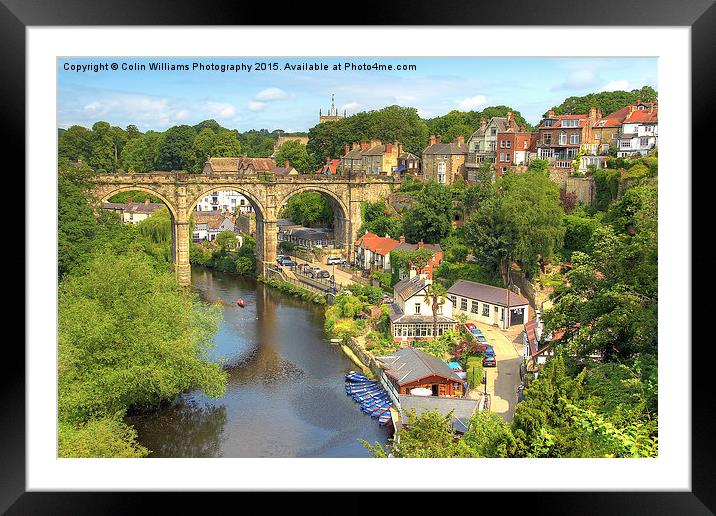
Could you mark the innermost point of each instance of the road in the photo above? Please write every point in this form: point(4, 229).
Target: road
point(502, 381)
point(342, 277)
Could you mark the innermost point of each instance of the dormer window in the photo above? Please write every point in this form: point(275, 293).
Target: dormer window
point(548, 122)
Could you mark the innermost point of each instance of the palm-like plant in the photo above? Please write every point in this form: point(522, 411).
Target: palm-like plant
point(435, 296)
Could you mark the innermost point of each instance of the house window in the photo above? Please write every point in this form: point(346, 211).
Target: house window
point(493, 131)
point(562, 138)
point(463, 304)
point(547, 138)
point(643, 142)
point(473, 307)
point(454, 301)
point(502, 144)
point(486, 310)
point(417, 308)
point(508, 156)
point(597, 136)
point(441, 172)
point(548, 123)
point(570, 123)
point(508, 144)
point(574, 139)
point(502, 156)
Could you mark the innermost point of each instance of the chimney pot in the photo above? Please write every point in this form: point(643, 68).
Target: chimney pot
point(402, 239)
point(433, 139)
point(460, 139)
point(286, 164)
point(550, 113)
point(388, 148)
point(146, 201)
point(347, 149)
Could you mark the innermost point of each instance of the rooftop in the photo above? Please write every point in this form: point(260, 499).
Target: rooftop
point(377, 244)
point(409, 364)
point(486, 293)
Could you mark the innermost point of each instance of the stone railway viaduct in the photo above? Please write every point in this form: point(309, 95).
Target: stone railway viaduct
point(181, 192)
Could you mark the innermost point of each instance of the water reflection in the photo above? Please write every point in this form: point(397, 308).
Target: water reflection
point(285, 395)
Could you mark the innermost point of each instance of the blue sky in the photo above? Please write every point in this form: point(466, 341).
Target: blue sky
point(290, 100)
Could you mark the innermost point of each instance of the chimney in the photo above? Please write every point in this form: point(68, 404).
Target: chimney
point(129, 200)
point(599, 113)
point(421, 244)
point(348, 149)
point(364, 146)
point(388, 148)
point(402, 239)
point(460, 140)
point(522, 128)
point(433, 140)
point(286, 164)
point(593, 113)
point(483, 124)
point(356, 145)
point(413, 273)
point(146, 201)
point(438, 138)
point(373, 143)
point(550, 113)
point(511, 119)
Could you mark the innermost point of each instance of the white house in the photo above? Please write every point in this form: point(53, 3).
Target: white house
point(411, 314)
point(640, 130)
point(209, 224)
point(373, 252)
point(487, 304)
point(133, 212)
point(224, 200)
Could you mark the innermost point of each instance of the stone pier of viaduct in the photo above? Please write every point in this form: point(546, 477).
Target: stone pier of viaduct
point(181, 192)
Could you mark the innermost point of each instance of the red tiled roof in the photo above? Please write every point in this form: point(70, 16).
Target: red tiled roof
point(379, 245)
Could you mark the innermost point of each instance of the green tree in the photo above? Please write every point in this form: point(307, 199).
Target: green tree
point(607, 101)
point(74, 144)
point(176, 149)
point(435, 296)
point(489, 436)
point(429, 435)
point(102, 148)
point(430, 219)
point(140, 153)
point(227, 240)
point(296, 154)
point(309, 209)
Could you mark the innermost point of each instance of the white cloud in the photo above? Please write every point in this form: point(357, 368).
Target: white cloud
point(219, 110)
point(257, 106)
point(182, 114)
point(351, 106)
point(616, 85)
point(270, 94)
point(471, 103)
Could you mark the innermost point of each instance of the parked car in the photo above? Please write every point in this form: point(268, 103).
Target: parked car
point(481, 339)
point(335, 260)
point(280, 258)
point(489, 361)
point(470, 327)
point(320, 273)
point(288, 262)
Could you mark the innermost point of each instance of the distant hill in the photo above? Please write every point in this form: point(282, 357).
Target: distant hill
point(606, 101)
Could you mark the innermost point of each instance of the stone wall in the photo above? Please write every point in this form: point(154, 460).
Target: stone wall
point(582, 186)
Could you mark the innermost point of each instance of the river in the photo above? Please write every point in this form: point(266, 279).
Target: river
point(285, 395)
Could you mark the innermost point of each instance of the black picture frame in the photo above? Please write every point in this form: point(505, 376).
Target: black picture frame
point(700, 15)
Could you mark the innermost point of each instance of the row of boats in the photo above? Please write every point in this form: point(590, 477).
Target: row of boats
point(371, 396)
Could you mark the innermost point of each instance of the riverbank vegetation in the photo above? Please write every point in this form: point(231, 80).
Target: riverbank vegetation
point(129, 338)
point(293, 290)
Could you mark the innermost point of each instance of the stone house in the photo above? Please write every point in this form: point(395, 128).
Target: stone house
point(482, 144)
point(444, 162)
point(380, 158)
point(513, 147)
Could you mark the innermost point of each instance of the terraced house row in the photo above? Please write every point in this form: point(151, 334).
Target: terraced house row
point(561, 139)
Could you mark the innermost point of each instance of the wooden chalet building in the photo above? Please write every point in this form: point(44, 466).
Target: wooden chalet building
point(409, 368)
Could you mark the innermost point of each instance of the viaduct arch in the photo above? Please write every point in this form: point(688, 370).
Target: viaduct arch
point(181, 192)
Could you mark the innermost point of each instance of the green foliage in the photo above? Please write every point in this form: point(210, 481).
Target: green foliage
point(141, 153)
point(176, 149)
point(449, 273)
point(227, 240)
point(133, 196)
point(378, 220)
point(309, 209)
point(428, 436)
point(296, 154)
point(384, 278)
point(606, 187)
point(430, 219)
point(465, 123)
point(474, 371)
point(578, 234)
point(636, 207)
point(439, 347)
point(489, 436)
point(107, 437)
point(390, 124)
point(607, 101)
point(74, 144)
point(293, 290)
